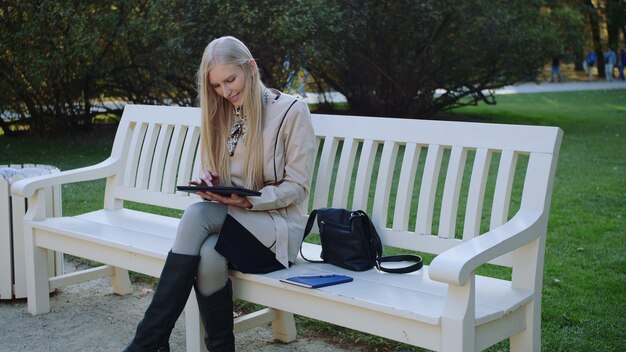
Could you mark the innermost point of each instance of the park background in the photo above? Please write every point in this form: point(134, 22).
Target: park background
point(67, 68)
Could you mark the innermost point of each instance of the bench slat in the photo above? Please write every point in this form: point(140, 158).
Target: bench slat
point(147, 154)
point(428, 190)
point(476, 193)
point(134, 220)
point(451, 192)
point(324, 173)
point(173, 159)
point(384, 182)
point(133, 154)
point(123, 229)
point(405, 187)
point(160, 155)
point(344, 173)
point(523, 138)
point(186, 163)
point(504, 184)
point(364, 174)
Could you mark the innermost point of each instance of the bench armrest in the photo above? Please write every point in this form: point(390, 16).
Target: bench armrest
point(455, 265)
point(27, 187)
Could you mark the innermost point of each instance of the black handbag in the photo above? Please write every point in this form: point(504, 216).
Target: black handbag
point(350, 241)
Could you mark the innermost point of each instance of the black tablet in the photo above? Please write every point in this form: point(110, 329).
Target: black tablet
point(244, 192)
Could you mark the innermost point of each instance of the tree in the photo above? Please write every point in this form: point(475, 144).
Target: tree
point(615, 21)
point(584, 25)
point(63, 62)
point(416, 58)
point(601, 13)
point(92, 53)
point(273, 30)
point(569, 31)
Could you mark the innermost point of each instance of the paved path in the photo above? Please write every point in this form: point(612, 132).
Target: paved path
point(543, 87)
point(560, 87)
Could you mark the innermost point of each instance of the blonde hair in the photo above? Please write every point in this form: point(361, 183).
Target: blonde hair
point(218, 115)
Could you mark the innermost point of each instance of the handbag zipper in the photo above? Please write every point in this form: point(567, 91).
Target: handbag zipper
point(323, 224)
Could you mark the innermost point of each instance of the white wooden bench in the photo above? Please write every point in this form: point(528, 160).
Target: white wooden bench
point(467, 193)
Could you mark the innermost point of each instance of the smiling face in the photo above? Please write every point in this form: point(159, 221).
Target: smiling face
point(228, 81)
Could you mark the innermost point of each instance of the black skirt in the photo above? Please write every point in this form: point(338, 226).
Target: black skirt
point(243, 250)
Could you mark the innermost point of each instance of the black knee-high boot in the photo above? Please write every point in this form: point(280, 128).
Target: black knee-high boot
point(170, 297)
point(216, 311)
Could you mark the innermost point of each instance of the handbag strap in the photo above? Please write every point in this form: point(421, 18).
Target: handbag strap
point(307, 230)
point(400, 258)
point(394, 258)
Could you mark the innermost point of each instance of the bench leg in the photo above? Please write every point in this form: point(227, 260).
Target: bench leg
point(194, 329)
point(530, 338)
point(120, 281)
point(36, 259)
point(37, 287)
point(458, 320)
point(284, 328)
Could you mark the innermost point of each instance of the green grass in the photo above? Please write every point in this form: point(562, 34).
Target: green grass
point(584, 302)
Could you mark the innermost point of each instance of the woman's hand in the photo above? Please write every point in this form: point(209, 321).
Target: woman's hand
point(234, 199)
point(211, 179)
point(207, 178)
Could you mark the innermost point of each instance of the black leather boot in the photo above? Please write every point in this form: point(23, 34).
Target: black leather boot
point(216, 311)
point(170, 297)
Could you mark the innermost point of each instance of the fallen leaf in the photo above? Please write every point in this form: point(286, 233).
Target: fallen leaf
point(145, 291)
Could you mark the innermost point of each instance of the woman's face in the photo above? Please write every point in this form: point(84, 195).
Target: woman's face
point(228, 81)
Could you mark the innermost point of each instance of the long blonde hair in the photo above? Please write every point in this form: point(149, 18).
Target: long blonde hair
point(217, 113)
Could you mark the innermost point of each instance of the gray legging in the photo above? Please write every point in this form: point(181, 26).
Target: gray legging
point(197, 235)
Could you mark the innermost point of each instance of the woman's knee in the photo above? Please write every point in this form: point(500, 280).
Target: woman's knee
point(198, 221)
point(209, 255)
point(204, 212)
point(212, 269)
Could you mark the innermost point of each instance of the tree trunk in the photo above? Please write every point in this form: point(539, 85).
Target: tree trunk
point(615, 21)
point(595, 34)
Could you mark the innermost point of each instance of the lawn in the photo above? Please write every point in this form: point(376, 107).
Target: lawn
point(584, 302)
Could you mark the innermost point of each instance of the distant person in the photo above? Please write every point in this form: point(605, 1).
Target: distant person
point(302, 87)
point(622, 63)
point(609, 64)
point(291, 76)
point(556, 68)
point(589, 63)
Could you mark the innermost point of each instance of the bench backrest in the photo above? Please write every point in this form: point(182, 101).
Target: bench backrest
point(426, 184)
point(157, 150)
point(430, 184)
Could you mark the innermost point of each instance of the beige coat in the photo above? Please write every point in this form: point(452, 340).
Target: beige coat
point(289, 148)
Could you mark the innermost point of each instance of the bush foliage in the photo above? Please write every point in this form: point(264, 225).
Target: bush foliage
point(416, 58)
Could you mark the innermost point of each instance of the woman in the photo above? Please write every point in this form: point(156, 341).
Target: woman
point(251, 137)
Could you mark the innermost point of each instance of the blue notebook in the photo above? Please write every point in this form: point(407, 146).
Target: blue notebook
point(315, 281)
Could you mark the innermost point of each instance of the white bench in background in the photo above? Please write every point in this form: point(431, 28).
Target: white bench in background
point(468, 193)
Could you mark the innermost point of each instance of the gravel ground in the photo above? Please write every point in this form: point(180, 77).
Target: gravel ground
point(89, 317)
